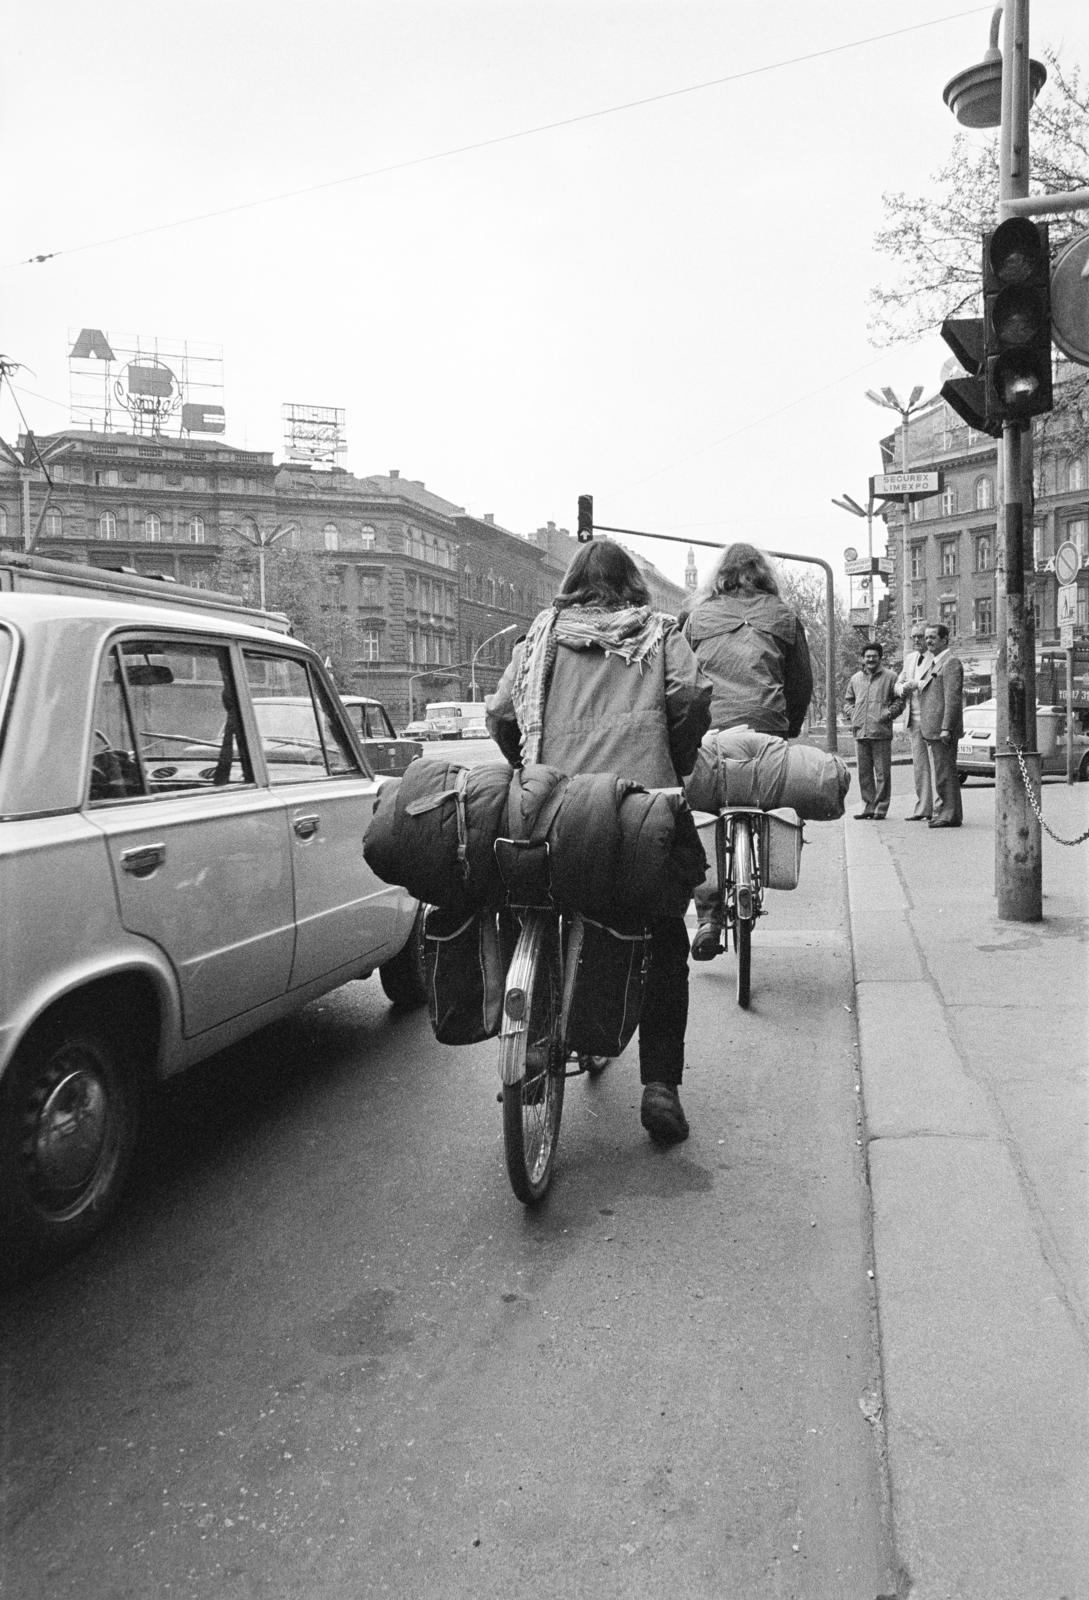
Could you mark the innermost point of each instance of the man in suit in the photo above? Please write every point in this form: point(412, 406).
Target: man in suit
point(917, 665)
point(941, 719)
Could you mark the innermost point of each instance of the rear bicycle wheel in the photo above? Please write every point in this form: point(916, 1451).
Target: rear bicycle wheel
point(532, 1060)
point(744, 897)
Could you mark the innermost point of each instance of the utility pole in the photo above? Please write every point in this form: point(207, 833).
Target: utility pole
point(1018, 853)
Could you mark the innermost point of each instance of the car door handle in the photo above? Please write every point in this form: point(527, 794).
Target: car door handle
point(306, 827)
point(144, 860)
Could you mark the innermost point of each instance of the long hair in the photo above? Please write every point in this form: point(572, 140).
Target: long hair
point(602, 573)
point(740, 569)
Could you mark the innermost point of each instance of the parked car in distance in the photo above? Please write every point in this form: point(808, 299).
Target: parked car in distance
point(387, 754)
point(174, 875)
point(977, 745)
point(425, 731)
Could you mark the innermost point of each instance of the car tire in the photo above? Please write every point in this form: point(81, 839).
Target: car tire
point(69, 1119)
point(404, 977)
point(962, 778)
point(1083, 769)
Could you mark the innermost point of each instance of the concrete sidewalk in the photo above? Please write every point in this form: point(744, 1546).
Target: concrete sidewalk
point(975, 1066)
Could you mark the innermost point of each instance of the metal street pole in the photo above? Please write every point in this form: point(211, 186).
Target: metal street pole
point(887, 398)
point(511, 628)
point(847, 504)
point(1018, 853)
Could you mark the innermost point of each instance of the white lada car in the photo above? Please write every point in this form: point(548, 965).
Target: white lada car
point(172, 878)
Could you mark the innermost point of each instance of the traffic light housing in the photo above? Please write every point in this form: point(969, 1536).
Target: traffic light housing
point(1017, 320)
point(965, 336)
point(586, 518)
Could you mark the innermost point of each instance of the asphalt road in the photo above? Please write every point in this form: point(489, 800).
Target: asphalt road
point(323, 1353)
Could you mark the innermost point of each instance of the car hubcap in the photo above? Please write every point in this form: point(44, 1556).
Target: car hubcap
point(70, 1132)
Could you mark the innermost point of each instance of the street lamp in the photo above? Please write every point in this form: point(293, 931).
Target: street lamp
point(510, 628)
point(263, 542)
point(435, 676)
point(887, 397)
point(847, 504)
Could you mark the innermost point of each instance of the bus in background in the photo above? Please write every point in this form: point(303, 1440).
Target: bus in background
point(457, 719)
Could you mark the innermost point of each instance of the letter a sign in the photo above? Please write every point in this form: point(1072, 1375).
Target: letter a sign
point(92, 345)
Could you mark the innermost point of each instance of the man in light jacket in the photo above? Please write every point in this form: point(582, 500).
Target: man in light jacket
point(941, 717)
point(917, 665)
point(871, 702)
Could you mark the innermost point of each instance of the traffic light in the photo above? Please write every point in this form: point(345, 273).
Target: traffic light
point(1017, 320)
point(965, 336)
point(586, 518)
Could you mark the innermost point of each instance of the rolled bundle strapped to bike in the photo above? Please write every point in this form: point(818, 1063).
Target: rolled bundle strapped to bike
point(740, 767)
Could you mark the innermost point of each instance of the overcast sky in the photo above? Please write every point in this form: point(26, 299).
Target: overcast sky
point(533, 248)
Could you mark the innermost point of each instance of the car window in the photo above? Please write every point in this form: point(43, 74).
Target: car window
point(303, 740)
point(372, 720)
point(159, 721)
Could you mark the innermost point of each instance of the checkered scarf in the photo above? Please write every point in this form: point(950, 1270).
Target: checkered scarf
point(633, 633)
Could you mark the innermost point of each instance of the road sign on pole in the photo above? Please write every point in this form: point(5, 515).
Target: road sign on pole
point(1070, 301)
point(1067, 607)
point(908, 485)
point(1067, 562)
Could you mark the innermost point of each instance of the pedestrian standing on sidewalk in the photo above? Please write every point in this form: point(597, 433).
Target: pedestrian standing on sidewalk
point(752, 646)
point(917, 665)
point(941, 717)
point(603, 683)
point(871, 702)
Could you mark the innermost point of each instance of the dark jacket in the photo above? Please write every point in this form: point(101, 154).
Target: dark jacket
point(754, 650)
point(644, 723)
point(872, 703)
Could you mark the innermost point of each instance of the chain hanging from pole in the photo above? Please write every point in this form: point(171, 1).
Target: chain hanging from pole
point(1034, 802)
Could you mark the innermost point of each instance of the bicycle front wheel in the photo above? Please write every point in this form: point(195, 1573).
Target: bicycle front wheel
point(744, 906)
point(532, 1061)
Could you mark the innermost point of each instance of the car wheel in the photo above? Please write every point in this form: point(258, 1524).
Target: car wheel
point(962, 778)
point(1083, 769)
point(404, 977)
point(68, 1127)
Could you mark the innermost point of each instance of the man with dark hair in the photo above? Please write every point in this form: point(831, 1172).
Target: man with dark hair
point(941, 718)
point(871, 703)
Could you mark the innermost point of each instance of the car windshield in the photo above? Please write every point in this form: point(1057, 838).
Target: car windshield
point(981, 718)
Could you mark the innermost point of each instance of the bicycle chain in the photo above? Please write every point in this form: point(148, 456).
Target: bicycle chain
point(1034, 802)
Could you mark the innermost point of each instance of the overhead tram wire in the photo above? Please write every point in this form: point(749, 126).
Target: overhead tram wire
point(497, 139)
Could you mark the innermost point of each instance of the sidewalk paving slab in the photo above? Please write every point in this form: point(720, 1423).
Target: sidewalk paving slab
point(974, 1059)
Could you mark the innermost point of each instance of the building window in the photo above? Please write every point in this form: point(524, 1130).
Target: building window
point(984, 615)
point(1075, 473)
point(53, 527)
point(369, 645)
point(949, 501)
point(330, 536)
point(367, 536)
point(918, 611)
point(947, 613)
point(1038, 557)
point(984, 494)
point(983, 552)
point(1078, 531)
point(107, 477)
point(153, 528)
point(370, 591)
point(3, 523)
point(948, 562)
point(196, 530)
point(107, 526)
point(915, 560)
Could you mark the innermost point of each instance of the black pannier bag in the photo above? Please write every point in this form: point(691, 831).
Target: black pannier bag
point(606, 974)
point(466, 955)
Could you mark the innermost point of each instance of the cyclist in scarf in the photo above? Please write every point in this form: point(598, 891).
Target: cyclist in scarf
point(602, 683)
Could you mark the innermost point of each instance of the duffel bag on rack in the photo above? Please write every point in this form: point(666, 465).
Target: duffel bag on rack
point(433, 831)
point(465, 959)
point(606, 974)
